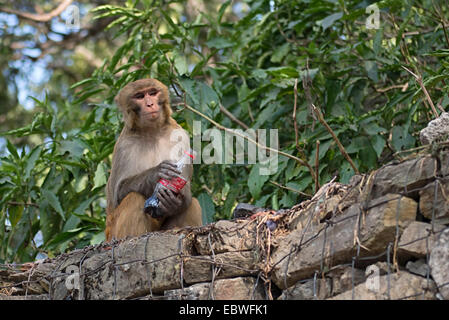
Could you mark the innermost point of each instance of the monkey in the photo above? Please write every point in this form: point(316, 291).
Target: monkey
point(145, 152)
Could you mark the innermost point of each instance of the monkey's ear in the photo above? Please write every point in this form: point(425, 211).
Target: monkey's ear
point(117, 100)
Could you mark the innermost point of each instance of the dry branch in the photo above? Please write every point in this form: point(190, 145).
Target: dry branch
point(39, 17)
point(334, 136)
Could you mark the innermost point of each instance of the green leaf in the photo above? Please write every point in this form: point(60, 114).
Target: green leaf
point(377, 42)
point(100, 178)
point(256, 181)
point(74, 147)
point(53, 201)
point(84, 205)
point(302, 185)
point(280, 53)
point(262, 201)
point(31, 161)
point(330, 20)
point(97, 238)
point(82, 82)
point(71, 223)
point(222, 10)
point(275, 202)
point(371, 69)
point(84, 217)
point(219, 43)
point(15, 214)
point(378, 144)
point(19, 233)
point(283, 72)
point(230, 201)
point(2, 223)
point(357, 144)
point(63, 237)
point(288, 200)
point(346, 172)
point(401, 139)
point(207, 207)
point(87, 93)
point(181, 64)
point(203, 97)
point(175, 28)
point(12, 149)
point(372, 128)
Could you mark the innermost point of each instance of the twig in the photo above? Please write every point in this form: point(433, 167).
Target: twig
point(219, 126)
point(440, 106)
point(410, 150)
point(39, 17)
point(438, 13)
point(403, 87)
point(317, 162)
point(29, 204)
point(295, 96)
point(340, 146)
point(295, 124)
point(290, 189)
point(423, 88)
point(232, 117)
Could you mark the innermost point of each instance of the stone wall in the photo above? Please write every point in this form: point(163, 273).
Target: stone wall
point(383, 236)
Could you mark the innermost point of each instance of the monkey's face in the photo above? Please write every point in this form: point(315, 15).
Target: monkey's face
point(144, 103)
point(147, 104)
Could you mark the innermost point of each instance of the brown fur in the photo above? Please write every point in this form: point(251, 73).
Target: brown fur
point(142, 145)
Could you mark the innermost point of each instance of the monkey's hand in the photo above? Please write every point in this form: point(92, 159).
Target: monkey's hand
point(167, 170)
point(164, 170)
point(170, 203)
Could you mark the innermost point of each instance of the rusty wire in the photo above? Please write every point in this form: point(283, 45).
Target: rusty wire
point(263, 244)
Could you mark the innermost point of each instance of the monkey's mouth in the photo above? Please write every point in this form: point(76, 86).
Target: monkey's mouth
point(152, 115)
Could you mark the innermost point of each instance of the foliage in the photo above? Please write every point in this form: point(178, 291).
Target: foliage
point(247, 66)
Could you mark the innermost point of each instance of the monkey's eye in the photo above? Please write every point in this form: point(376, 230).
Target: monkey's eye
point(139, 96)
point(153, 92)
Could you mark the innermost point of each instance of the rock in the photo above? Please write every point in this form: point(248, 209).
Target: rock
point(199, 291)
point(428, 203)
point(242, 288)
point(403, 285)
point(336, 243)
point(381, 268)
point(439, 263)
point(416, 240)
point(344, 277)
point(243, 210)
point(132, 268)
point(418, 267)
point(308, 290)
point(226, 236)
point(65, 281)
point(437, 130)
point(405, 178)
point(227, 265)
point(444, 161)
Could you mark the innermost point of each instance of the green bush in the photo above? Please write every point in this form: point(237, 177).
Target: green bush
point(248, 66)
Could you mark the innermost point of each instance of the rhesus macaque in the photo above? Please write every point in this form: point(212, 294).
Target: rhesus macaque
point(146, 151)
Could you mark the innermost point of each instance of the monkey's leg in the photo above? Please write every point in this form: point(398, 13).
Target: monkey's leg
point(191, 218)
point(128, 219)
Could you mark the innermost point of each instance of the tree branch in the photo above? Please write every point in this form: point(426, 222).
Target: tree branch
point(39, 17)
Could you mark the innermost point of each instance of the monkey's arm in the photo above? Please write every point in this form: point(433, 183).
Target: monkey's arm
point(145, 182)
